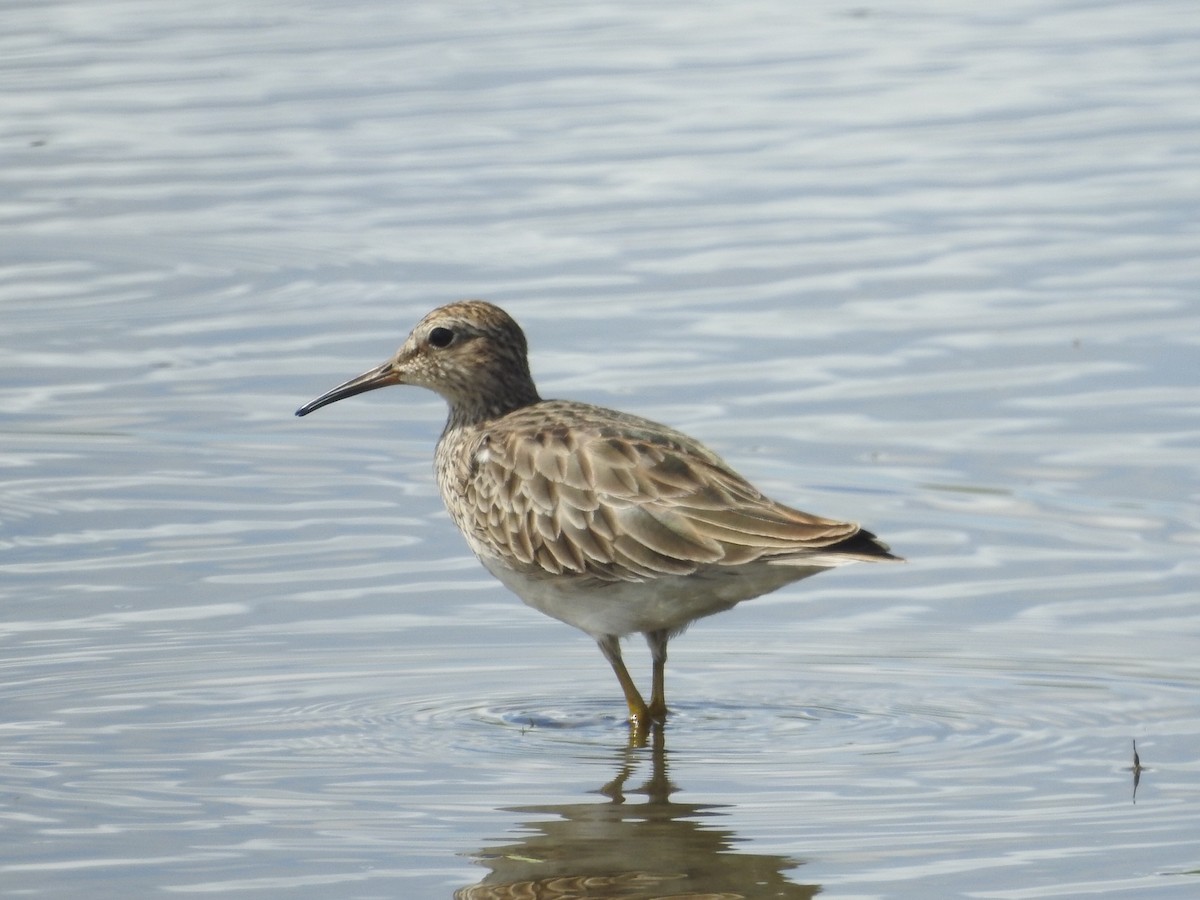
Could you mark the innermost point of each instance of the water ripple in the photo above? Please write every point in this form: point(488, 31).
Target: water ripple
point(933, 270)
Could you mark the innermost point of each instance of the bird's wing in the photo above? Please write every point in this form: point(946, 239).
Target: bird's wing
point(631, 503)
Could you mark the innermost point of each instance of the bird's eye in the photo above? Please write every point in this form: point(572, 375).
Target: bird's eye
point(441, 337)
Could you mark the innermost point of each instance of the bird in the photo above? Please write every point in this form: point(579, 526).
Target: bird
point(604, 520)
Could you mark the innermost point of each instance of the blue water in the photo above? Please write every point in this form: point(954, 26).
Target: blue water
point(928, 268)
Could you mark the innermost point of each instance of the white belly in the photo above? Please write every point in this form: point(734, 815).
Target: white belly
point(668, 603)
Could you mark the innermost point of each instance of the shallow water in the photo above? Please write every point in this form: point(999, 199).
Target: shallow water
point(932, 270)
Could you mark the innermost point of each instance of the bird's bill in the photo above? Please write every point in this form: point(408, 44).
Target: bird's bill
point(380, 376)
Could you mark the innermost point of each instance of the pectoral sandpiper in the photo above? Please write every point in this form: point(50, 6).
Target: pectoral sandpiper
point(606, 521)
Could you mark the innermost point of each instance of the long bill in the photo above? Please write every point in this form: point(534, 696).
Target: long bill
point(380, 376)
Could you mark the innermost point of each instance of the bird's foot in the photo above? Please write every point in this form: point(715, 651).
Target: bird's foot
point(644, 721)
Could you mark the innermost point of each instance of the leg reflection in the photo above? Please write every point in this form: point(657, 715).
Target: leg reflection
point(636, 843)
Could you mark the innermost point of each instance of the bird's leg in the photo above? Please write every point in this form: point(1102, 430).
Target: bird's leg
point(658, 692)
point(639, 712)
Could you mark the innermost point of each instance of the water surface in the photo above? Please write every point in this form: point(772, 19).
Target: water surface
point(926, 268)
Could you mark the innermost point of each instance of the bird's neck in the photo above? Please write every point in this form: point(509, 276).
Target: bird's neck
point(480, 408)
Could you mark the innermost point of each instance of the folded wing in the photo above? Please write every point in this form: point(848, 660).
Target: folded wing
point(635, 502)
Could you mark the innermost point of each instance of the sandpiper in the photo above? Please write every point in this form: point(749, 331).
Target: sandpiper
point(604, 520)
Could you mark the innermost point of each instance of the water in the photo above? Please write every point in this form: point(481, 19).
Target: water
point(930, 268)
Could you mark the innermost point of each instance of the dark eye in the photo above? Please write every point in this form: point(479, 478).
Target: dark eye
point(441, 337)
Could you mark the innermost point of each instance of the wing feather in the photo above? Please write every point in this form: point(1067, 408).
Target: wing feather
point(616, 498)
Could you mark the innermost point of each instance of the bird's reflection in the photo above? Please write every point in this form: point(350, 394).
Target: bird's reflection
point(627, 849)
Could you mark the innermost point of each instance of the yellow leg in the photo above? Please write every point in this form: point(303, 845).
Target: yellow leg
point(658, 693)
point(639, 712)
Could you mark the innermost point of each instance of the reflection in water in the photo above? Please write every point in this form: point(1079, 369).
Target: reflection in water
point(626, 851)
point(1136, 768)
